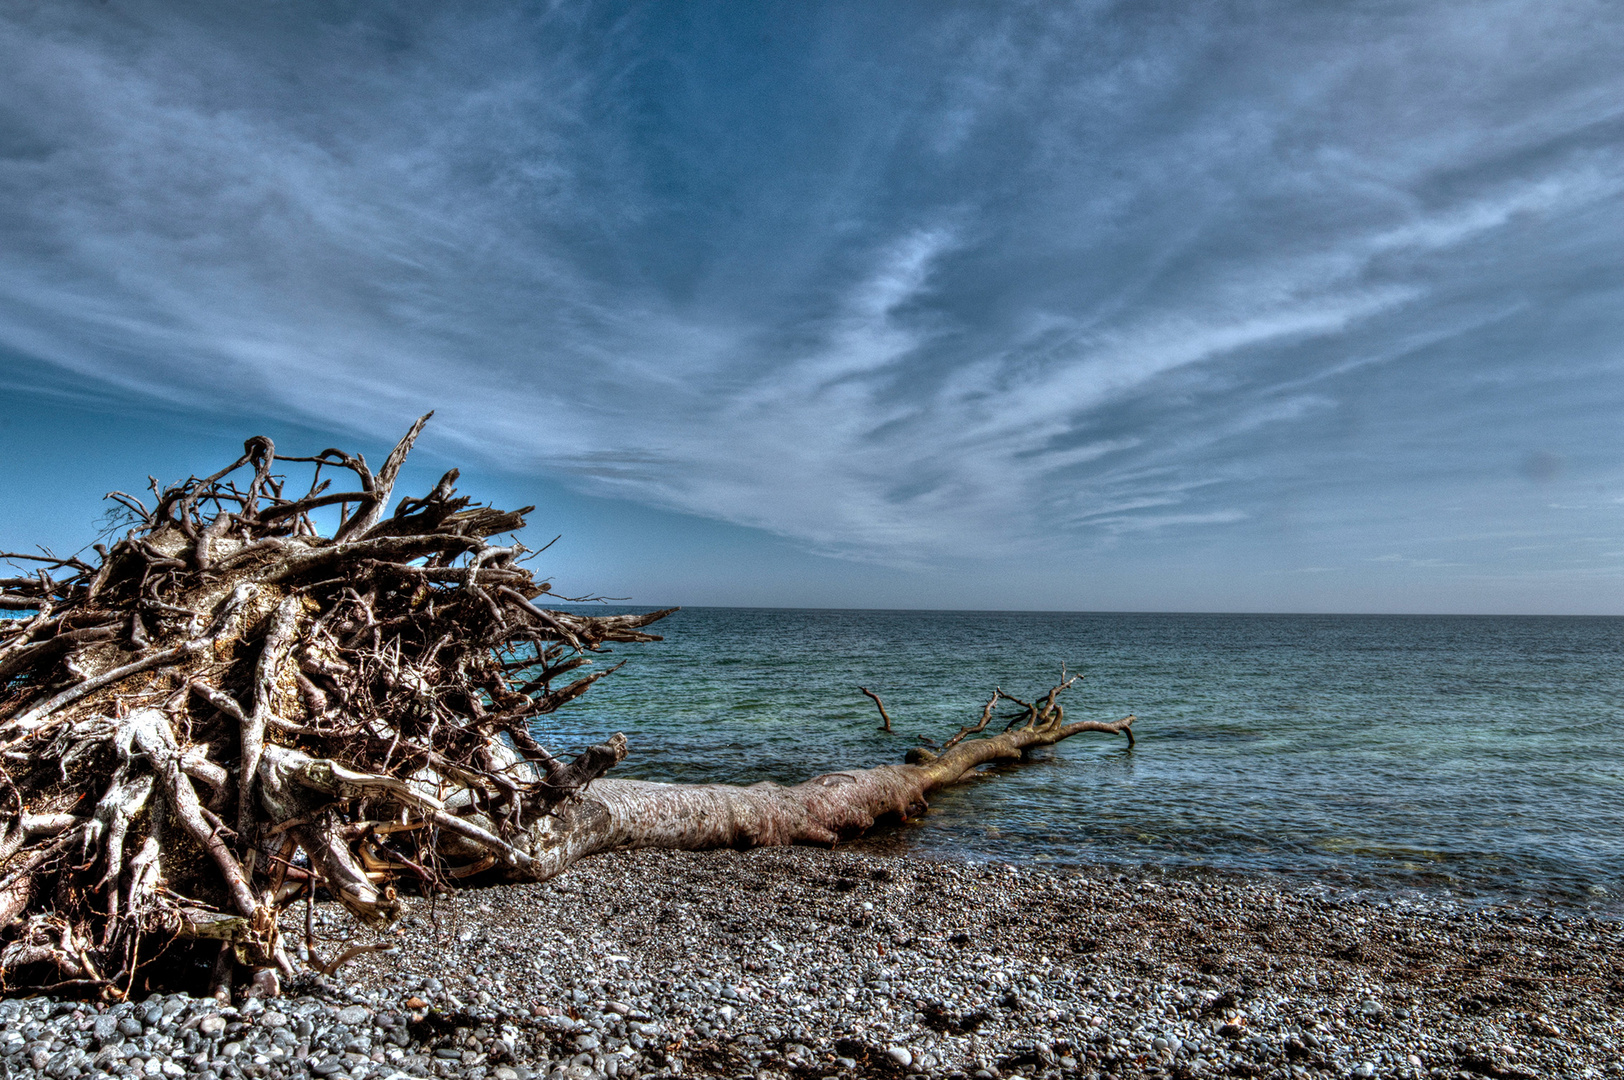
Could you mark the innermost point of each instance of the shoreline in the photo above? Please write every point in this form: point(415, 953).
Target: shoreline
point(1337, 884)
point(780, 962)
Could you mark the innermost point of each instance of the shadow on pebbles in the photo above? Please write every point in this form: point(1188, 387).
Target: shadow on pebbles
point(808, 963)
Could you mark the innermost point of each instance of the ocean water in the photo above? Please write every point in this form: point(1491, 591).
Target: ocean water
point(1482, 757)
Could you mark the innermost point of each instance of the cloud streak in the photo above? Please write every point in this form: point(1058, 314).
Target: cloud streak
point(898, 285)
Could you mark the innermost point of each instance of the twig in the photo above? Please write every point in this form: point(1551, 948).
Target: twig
point(886, 727)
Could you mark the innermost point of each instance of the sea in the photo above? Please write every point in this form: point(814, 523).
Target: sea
point(1480, 758)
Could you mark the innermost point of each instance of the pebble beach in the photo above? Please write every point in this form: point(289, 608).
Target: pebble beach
point(795, 962)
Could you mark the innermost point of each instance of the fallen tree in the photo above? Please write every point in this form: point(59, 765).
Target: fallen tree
point(226, 712)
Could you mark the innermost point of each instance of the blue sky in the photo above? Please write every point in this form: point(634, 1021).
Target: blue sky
point(1228, 306)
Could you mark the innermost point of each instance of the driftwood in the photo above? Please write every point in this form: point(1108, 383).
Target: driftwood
point(885, 717)
point(227, 712)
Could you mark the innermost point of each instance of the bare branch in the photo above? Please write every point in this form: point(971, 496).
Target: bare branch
point(885, 716)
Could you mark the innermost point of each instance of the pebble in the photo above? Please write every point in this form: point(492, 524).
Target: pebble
point(662, 964)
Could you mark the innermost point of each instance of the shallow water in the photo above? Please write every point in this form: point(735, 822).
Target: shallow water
point(1482, 756)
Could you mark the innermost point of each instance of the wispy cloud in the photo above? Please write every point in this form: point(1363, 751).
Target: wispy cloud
point(897, 284)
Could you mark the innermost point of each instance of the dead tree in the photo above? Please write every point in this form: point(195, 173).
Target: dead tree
point(227, 712)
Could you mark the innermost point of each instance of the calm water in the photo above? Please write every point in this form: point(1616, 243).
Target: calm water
point(1482, 756)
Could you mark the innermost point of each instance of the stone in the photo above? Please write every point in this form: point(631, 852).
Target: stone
point(502, 1072)
point(212, 1025)
point(901, 1055)
point(354, 1015)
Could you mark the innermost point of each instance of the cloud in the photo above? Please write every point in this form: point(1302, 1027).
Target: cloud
point(900, 286)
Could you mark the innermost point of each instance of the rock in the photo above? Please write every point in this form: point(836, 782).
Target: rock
point(266, 983)
point(901, 1055)
point(354, 1015)
point(212, 1025)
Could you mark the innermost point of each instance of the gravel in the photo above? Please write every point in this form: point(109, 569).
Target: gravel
point(807, 963)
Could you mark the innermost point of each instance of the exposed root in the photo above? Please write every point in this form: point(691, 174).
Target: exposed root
point(228, 711)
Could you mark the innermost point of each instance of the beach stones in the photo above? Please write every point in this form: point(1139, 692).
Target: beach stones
point(354, 1015)
point(1124, 1004)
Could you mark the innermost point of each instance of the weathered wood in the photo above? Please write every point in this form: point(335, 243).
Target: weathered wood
point(361, 706)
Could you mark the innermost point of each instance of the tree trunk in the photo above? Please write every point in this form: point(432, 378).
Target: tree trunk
point(228, 712)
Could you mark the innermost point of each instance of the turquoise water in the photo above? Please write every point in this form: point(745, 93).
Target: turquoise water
point(1479, 756)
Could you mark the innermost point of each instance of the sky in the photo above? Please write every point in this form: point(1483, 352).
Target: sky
point(1082, 306)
